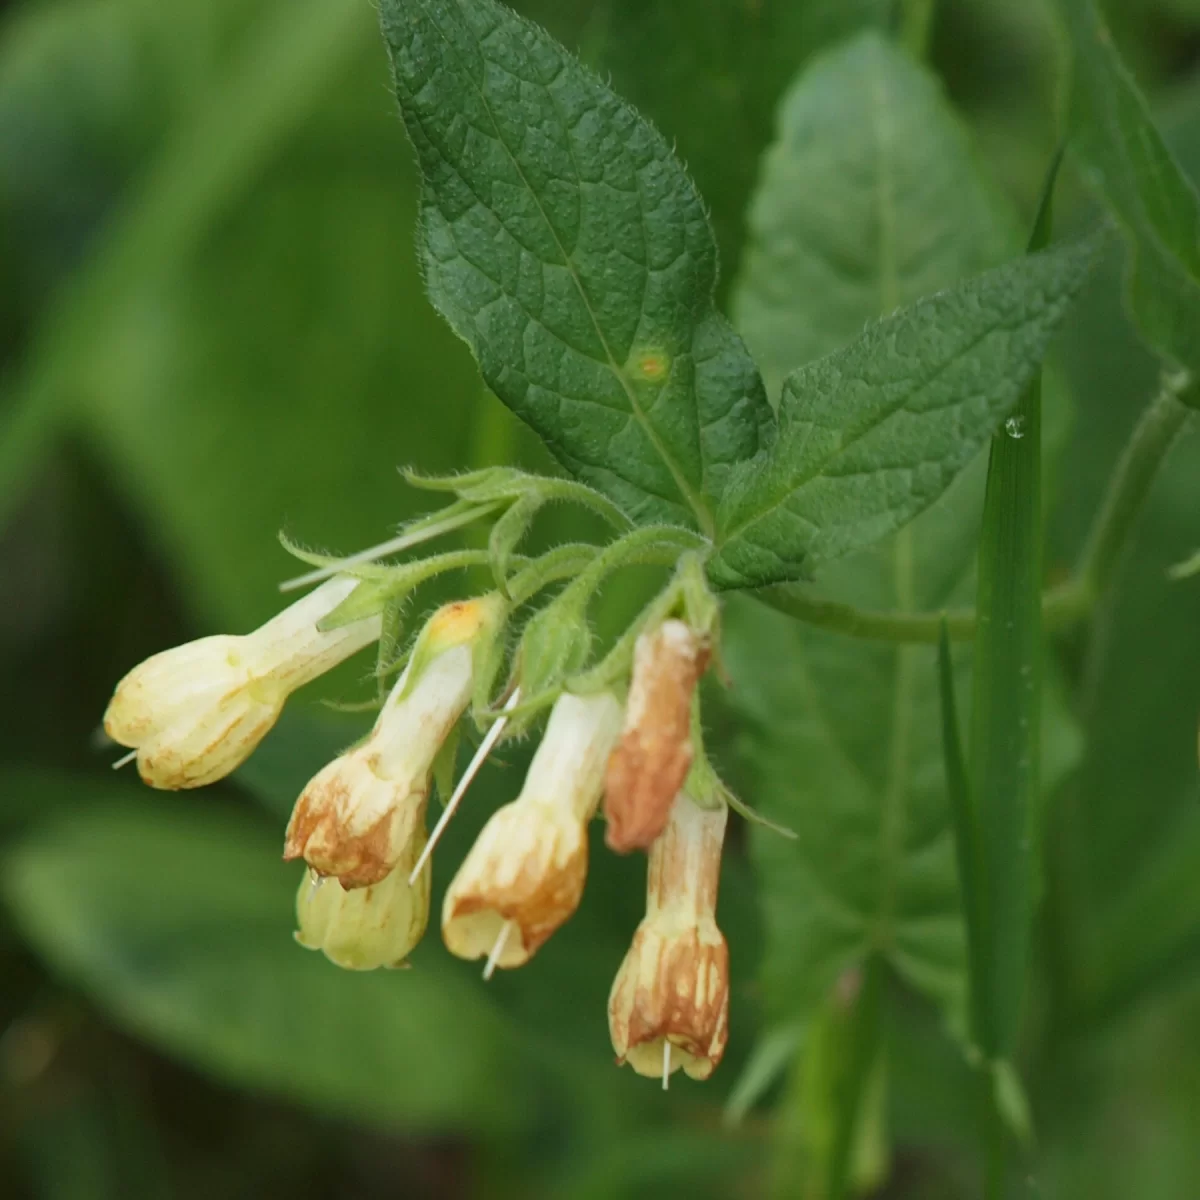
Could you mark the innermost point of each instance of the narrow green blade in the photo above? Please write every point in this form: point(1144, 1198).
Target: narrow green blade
point(1006, 708)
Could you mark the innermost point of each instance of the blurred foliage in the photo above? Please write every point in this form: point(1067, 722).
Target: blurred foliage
point(212, 325)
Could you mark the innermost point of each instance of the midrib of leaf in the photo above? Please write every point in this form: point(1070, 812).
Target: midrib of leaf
point(895, 796)
point(703, 517)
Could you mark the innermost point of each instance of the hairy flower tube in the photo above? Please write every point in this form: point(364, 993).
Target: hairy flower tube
point(669, 1005)
point(196, 712)
point(652, 759)
point(364, 928)
point(524, 876)
point(359, 816)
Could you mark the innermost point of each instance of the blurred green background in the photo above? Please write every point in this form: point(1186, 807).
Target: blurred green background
point(212, 326)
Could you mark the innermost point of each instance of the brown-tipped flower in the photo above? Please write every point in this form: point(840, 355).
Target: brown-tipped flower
point(524, 876)
point(196, 712)
point(369, 927)
point(669, 1005)
point(358, 815)
point(651, 761)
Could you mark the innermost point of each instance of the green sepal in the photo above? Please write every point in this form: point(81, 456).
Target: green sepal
point(618, 662)
point(444, 765)
point(497, 485)
point(385, 585)
point(508, 533)
point(477, 487)
point(710, 791)
point(388, 654)
point(555, 644)
point(369, 599)
point(487, 655)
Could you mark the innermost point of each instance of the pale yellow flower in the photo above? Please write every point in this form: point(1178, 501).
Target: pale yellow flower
point(196, 712)
point(360, 813)
point(367, 927)
point(524, 876)
point(669, 1005)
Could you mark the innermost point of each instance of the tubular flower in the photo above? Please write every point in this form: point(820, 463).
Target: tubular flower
point(524, 876)
point(369, 927)
point(358, 817)
point(196, 712)
point(650, 763)
point(669, 1005)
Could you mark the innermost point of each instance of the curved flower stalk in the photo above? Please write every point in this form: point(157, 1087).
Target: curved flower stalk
point(364, 928)
point(669, 1005)
point(653, 758)
point(196, 712)
point(525, 874)
point(359, 816)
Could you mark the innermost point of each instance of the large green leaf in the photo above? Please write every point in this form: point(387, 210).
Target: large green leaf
point(841, 739)
point(872, 434)
point(1139, 178)
point(865, 139)
point(564, 241)
point(746, 54)
point(179, 922)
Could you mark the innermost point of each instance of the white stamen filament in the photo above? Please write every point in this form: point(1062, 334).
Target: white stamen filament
point(125, 760)
point(414, 537)
point(498, 949)
point(666, 1063)
point(314, 882)
point(485, 748)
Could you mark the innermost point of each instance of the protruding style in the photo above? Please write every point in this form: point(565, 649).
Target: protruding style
point(651, 762)
point(669, 1005)
point(525, 874)
point(196, 712)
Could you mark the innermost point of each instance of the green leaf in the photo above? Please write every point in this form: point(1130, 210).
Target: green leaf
point(179, 922)
point(870, 176)
point(747, 54)
point(872, 434)
point(565, 243)
point(1130, 165)
point(841, 738)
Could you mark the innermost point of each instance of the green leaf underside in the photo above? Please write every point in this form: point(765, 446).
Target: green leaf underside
point(179, 923)
point(565, 243)
point(873, 867)
point(1130, 165)
point(872, 434)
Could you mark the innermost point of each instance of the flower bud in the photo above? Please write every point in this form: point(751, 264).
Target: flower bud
point(196, 712)
point(358, 815)
point(651, 762)
point(524, 876)
point(368, 927)
point(669, 1005)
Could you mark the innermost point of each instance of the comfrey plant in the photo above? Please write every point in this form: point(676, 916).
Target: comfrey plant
point(565, 243)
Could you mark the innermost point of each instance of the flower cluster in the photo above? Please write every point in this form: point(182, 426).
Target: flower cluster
point(193, 714)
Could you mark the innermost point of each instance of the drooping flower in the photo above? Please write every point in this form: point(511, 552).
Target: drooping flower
point(651, 761)
point(363, 928)
point(524, 876)
point(196, 712)
point(669, 1005)
point(359, 815)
